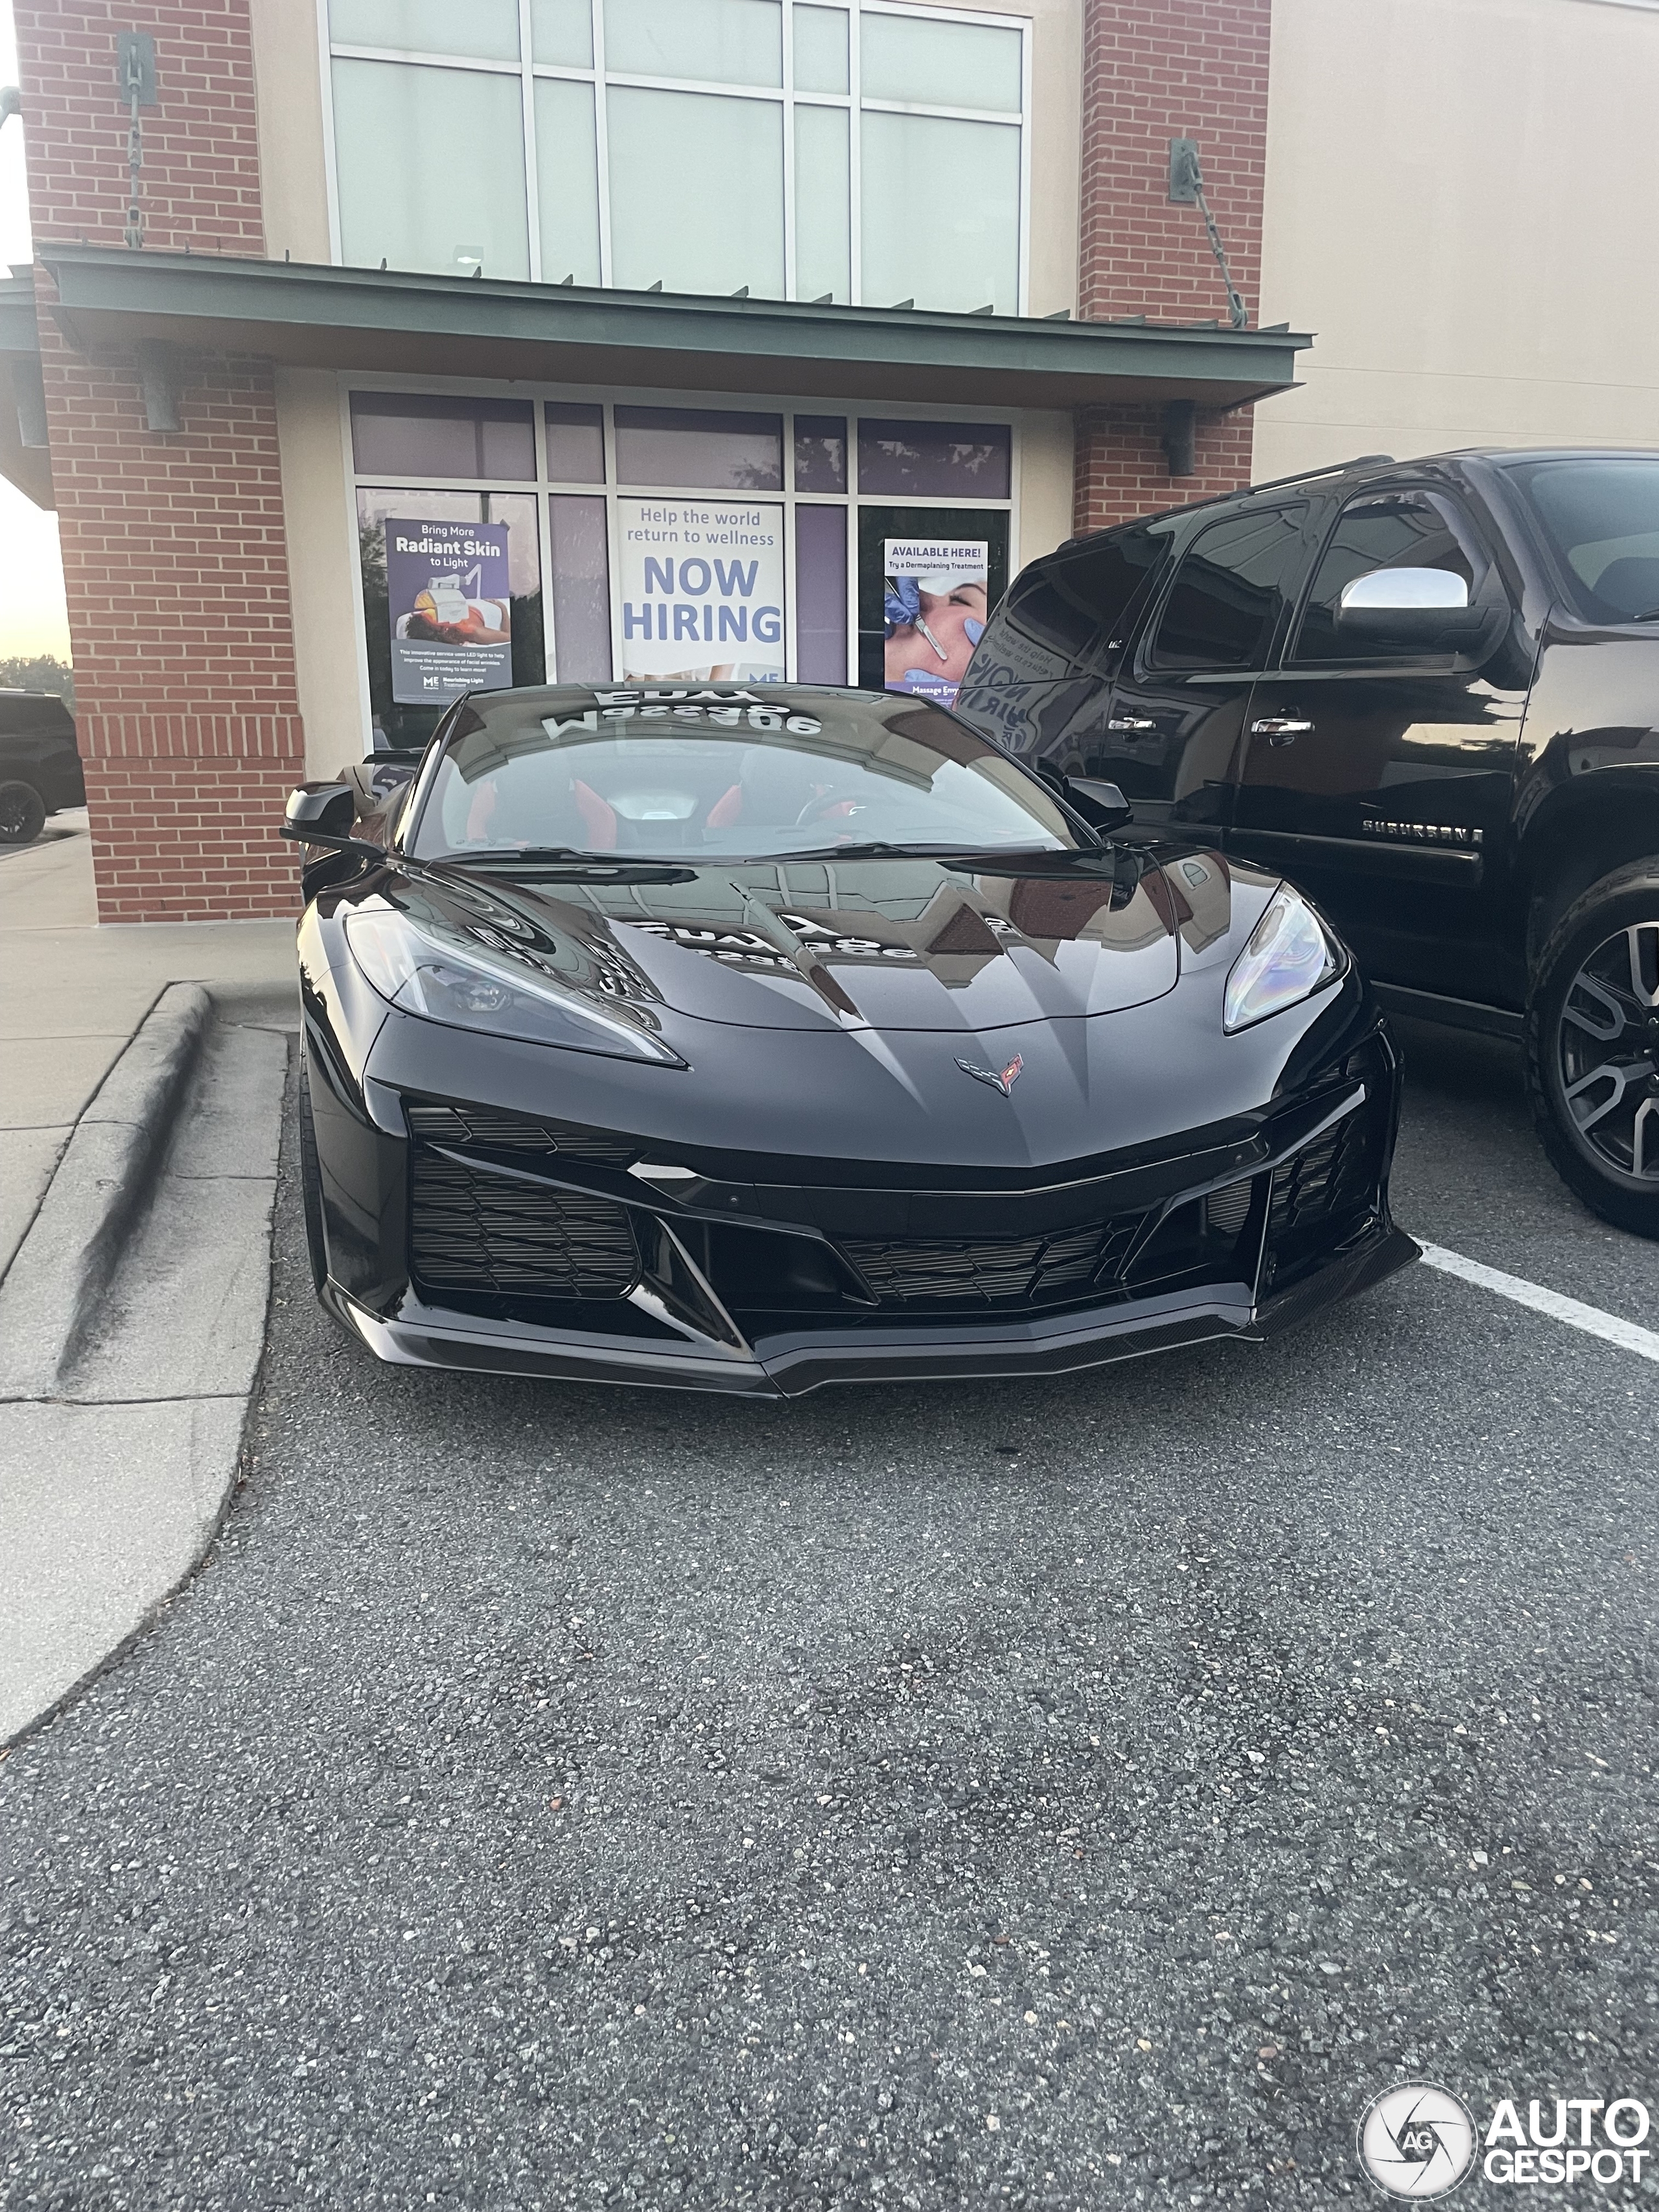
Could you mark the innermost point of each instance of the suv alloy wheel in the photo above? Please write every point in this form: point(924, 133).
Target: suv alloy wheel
point(23, 813)
point(1593, 1047)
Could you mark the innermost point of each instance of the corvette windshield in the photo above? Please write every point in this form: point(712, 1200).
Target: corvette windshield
point(723, 775)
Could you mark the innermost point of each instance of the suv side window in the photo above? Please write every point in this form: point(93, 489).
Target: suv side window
point(1382, 530)
point(1106, 580)
point(1064, 613)
point(1229, 592)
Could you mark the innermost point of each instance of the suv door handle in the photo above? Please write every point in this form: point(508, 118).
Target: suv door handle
point(1281, 729)
point(1131, 722)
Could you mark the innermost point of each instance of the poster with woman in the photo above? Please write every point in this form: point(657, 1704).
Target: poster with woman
point(450, 607)
point(935, 599)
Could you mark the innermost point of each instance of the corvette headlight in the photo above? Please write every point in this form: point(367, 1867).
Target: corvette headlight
point(447, 978)
point(1288, 958)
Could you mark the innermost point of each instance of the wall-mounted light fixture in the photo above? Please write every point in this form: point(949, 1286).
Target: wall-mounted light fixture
point(158, 381)
point(1178, 435)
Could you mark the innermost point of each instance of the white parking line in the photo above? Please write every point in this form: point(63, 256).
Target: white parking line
point(1591, 1319)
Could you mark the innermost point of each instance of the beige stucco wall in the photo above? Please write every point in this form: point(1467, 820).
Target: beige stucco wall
point(322, 566)
point(1461, 201)
point(288, 102)
point(1043, 518)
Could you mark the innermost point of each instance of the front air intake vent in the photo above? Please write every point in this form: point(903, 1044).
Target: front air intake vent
point(481, 1234)
point(1226, 1210)
point(1326, 1179)
point(491, 1129)
point(1321, 1194)
point(993, 1271)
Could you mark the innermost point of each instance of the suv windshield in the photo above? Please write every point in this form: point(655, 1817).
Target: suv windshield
point(723, 773)
point(1600, 515)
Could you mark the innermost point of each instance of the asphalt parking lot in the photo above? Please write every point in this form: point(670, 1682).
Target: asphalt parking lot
point(1077, 1793)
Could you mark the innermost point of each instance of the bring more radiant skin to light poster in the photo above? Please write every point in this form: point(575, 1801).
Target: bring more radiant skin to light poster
point(450, 607)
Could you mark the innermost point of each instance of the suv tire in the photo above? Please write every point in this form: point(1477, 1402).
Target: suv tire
point(23, 813)
point(1592, 1048)
point(310, 1187)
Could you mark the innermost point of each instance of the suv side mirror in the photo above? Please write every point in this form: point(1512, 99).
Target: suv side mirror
point(1411, 606)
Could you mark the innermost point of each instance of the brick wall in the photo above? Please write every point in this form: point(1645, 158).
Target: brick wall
point(175, 562)
point(200, 181)
point(1120, 470)
point(1153, 70)
point(183, 839)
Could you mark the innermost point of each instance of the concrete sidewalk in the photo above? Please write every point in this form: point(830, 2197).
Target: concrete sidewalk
point(72, 994)
point(141, 1076)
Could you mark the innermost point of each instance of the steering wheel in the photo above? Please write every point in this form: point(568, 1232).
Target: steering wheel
point(821, 810)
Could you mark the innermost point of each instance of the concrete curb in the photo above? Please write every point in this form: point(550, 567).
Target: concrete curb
point(65, 1262)
point(117, 1473)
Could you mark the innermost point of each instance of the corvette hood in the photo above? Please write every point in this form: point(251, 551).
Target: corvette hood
point(894, 945)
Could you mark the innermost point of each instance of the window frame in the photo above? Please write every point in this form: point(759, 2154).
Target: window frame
point(608, 398)
point(852, 101)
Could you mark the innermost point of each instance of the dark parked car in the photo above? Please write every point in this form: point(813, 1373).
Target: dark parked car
point(39, 765)
point(749, 1041)
point(1427, 691)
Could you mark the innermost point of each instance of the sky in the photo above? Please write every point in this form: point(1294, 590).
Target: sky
point(32, 617)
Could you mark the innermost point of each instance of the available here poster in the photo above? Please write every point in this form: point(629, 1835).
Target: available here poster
point(701, 585)
point(935, 596)
point(447, 597)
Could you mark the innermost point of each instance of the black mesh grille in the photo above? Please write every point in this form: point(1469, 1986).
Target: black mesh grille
point(1325, 1180)
point(1226, 1210)
point(1327, 1191)
point(480, 1233)
point(487, 1129)
point(993, 1270)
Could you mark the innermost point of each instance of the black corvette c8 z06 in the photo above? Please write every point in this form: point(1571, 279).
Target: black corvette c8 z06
point(751, 1039)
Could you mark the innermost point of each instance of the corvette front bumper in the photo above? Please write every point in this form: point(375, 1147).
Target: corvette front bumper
point(788, 1365)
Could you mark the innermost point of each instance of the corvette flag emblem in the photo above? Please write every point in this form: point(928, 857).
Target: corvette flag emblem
point(1003, 1082)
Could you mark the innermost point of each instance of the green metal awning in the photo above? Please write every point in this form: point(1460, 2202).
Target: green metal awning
point(391, 320)
point(17, 331)
point(24, 458)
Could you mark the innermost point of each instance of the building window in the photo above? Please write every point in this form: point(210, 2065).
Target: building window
point(619, 540)
point(935, 460)
point(803, 149)
point(434, 434)
point(699, 448)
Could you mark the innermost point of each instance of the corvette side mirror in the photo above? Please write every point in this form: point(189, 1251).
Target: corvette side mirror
point(323, 814)
point(1101, 804)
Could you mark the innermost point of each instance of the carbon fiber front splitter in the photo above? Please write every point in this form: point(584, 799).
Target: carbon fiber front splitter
point(788, 1365)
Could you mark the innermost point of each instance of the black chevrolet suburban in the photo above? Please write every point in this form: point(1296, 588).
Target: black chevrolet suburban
point(1427, 691)
point(40, 763)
